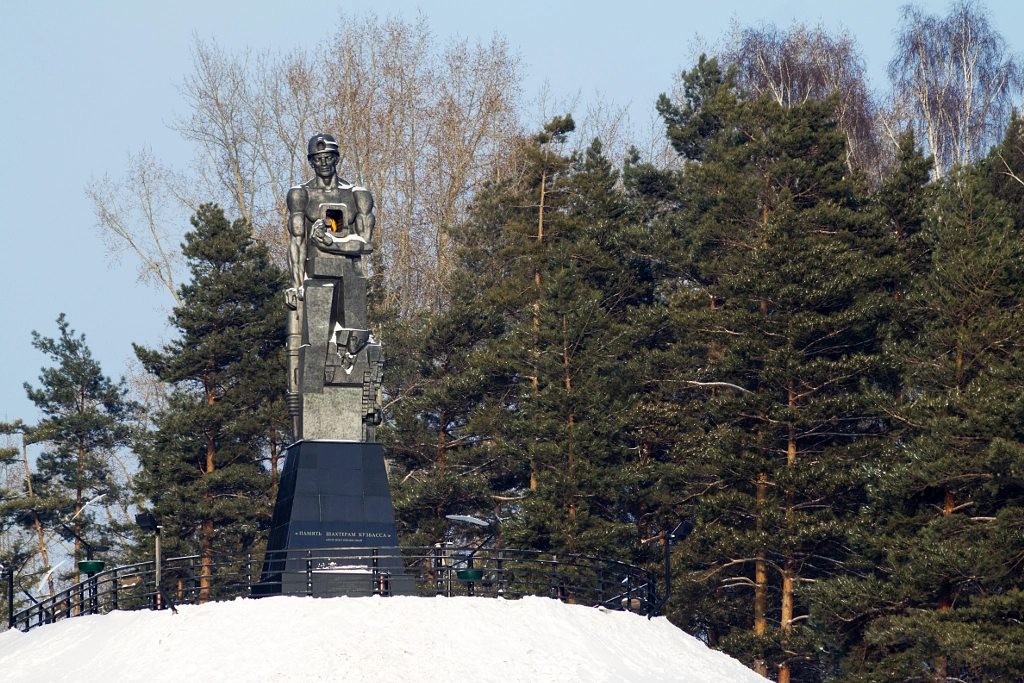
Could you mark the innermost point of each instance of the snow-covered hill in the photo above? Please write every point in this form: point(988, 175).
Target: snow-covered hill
point(365, 639)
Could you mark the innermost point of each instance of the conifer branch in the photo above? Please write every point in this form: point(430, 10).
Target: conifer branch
point(716, 384)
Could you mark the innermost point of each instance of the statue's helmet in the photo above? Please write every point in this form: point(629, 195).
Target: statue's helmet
point(320, 143)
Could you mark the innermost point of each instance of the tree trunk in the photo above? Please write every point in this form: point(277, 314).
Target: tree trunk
point(206, 570)
point(572, 418)
point(35, 514)
point(945, 599)
point(535, 381)
point(536, 280)
point(761, 579)
point(787, 571)
point(787, 615)
point(442, 446)
point(540, 213)
point(78, 510)
point(206, 542)
point(761, 568)
point(760, 606)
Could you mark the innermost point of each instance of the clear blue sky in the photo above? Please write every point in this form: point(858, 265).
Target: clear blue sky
point(82, 83)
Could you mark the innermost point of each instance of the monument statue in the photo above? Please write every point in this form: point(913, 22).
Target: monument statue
point(334, 491)
point(334, 364)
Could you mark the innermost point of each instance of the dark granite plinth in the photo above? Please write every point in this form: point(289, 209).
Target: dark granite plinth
point(334, 495)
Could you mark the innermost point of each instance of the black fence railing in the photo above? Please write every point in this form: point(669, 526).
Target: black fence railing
point(443, 569)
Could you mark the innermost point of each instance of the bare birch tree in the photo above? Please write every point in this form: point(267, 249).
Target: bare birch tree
point(808, 62)
point(421, 124)
point(135, 214)
point(955, 81)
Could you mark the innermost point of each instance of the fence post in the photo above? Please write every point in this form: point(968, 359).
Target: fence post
point(438, 582)
point(630, 588)
point(10, 597)
point(553, 578)
point(652, 597)
point(159, 598)
point(93, 590)
point(376, 572)
point(447, 565)
point(248, 574)
point(501, 572)
point(309, 573)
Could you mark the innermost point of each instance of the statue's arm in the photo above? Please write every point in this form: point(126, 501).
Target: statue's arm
point(365, 220)
point(297, 200)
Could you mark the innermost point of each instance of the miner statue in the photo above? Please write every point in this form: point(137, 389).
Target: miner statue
point(334, 363)
point(333, 496)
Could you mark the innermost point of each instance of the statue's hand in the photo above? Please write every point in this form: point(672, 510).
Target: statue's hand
point(292, 297)
point(319, 234)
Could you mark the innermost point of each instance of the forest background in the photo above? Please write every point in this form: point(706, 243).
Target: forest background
point(789, 314)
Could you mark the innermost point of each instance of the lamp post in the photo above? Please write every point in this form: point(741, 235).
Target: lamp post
point(9, 571)
point(90, 567)
point(680, 533)
point(471, 575)
point(147, 522)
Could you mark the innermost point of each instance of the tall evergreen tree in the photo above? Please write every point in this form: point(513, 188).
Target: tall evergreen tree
point(518, 399)
point(18, 547)
point(777, 317)
point(569, 346)
point(86, 418)
point(942, 587)
point(204, 473)
point(437, 400)
point(904, 200)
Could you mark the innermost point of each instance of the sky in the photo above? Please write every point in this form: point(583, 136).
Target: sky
point(82, 84)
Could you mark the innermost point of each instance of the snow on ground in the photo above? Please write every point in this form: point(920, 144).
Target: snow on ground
point(442, 640)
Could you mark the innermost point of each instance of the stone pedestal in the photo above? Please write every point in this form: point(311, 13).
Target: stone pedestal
point(333, 495)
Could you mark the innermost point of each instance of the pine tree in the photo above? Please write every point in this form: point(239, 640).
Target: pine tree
point(204, 474)
point(903, 201)
point(516, 405)
point(23, 512)
point(570, 350)
point(446, 390)
point(945, 593)
point(777, 315)
point(86, 418)
point(17, 547)
point(435, 434)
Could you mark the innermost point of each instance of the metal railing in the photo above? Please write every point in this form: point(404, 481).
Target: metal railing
point(443, 569)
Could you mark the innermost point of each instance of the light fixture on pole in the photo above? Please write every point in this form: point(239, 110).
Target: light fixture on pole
point(467, 519)
point(89, 565)
point(9, 571)
point(148, 523)
point(680, 533)
point(469, 574)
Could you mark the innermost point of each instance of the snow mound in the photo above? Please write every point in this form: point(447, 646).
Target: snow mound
point(365, 639)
